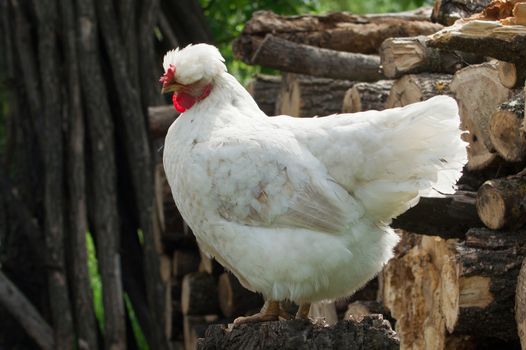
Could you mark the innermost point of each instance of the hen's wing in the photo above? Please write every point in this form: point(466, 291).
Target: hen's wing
point(268, 179)
point(387, 159)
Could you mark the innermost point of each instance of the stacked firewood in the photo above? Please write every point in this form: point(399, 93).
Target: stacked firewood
point(453, 283)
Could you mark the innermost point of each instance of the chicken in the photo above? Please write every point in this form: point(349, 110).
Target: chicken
point(298, 209)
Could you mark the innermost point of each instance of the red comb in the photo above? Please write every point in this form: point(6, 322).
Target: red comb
point(168, 76)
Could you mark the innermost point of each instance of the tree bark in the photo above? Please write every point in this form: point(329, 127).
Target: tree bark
point(184, 262)
point(501, 203)
point(199, 294)
point(160, 118)
point(478, 91)
point(278, 53)
point(447, 12)
point(418, 87)
point(335, 31)
point(505, 129)
point(85, 322)
point(520, 304)
point(52, 153)
point(103, 177)
point(372, 333)
point(194, 327)
point(306, 96)
point(367, 96)
point(234, 299)
point(140, 169)
point(440, 287)
point(412, 55)
point(265, 89)
point(25, 313)
point(447, 217)
point(505, 43)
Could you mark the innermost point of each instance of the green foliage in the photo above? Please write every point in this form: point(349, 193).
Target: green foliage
point(226, 19)
point(96, 285)
point(137, 331)
point(369, 6)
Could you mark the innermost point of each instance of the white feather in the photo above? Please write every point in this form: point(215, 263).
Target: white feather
point(296, 208)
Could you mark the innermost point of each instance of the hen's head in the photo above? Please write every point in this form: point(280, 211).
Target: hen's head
point(189, 73)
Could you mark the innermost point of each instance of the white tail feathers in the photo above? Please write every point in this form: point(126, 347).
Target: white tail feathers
point(423, 156)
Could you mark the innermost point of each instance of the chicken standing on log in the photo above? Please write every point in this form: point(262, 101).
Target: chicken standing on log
point(298, 208)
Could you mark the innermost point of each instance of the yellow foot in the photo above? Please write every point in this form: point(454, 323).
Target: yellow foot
point(271, 311)
point(303, 311)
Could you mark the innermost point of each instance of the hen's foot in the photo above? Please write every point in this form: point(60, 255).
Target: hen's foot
point(269, 312)
point(303, 311)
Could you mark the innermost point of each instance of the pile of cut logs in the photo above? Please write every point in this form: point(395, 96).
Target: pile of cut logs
point(456, 280)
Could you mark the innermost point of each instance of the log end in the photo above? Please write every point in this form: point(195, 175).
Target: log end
point(491, 206)
point(373, 332)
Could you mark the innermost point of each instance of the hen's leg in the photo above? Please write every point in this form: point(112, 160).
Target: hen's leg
point(269, 312)
point(303, 311)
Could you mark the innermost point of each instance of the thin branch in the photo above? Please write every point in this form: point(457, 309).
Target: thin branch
point(25, 313)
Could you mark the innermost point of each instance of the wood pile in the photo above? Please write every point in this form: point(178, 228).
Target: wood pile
point(453, 281)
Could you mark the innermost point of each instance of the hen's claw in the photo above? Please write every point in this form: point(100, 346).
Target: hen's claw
point(269, 312)
point(303, 311)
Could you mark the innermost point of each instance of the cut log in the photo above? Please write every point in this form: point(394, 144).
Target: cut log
point(505, 129)
point(441, 287)
point(520, 305)
point(265, 89)
point(411, 55)
point(448, 12)
point(372, 333)
point(478, 91)
point(194, 327)
point(489, 38)
point(501, 203)
point(184, 262)
point(306, 96)
point(199, 294)
point(159, 120)
point(511, 75)
point(336, 31)
point(417, 87)
point(367, 96)
point(234, 299)
point(278, 53)
point(447, 217)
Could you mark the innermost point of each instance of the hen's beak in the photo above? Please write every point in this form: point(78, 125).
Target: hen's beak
point(170, 87)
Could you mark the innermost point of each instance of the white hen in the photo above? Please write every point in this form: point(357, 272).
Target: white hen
point(298, 209)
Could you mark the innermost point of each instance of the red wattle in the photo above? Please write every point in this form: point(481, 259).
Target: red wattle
point(183, 101)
